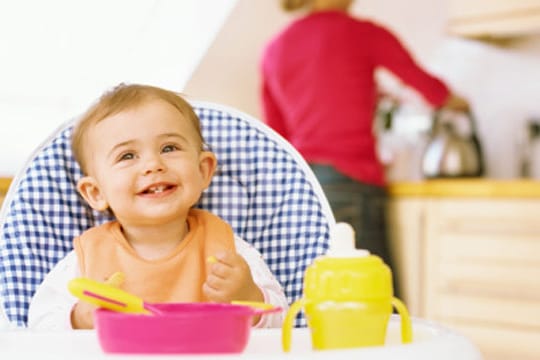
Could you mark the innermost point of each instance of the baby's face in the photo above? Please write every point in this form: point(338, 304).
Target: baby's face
point(148, 164)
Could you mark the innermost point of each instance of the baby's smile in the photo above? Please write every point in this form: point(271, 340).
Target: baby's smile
point(157, 189)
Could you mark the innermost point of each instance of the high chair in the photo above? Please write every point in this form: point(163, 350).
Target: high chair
point(263, 188)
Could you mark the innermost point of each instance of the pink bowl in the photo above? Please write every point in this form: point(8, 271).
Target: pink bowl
point(179, 328)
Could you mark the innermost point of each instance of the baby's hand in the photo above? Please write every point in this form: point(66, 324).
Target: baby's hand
point(230, 279)
point(82, 315)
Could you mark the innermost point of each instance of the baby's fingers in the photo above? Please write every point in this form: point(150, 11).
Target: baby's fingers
point(227, 257)
point(214, 292)
point(220, 270)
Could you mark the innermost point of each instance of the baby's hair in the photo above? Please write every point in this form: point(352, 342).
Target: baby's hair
point(292, 5)
point(121, 98)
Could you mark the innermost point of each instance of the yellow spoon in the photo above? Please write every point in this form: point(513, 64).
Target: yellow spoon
point(255, 305)
point(110, 297)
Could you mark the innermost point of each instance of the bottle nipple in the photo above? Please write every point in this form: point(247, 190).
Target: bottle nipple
point(342, 242)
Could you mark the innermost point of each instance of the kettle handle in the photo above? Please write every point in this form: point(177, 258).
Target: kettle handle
point(406, 326)
point(476, 142)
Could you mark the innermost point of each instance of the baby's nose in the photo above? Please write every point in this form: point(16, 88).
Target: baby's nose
point(154, 164)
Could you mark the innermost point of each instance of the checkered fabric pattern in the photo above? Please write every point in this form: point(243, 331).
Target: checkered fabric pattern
point(262, 188)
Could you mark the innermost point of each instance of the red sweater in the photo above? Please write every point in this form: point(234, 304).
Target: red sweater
point(319, 91)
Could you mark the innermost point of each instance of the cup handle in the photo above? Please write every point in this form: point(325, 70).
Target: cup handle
point(288, 324)
point(406, 327)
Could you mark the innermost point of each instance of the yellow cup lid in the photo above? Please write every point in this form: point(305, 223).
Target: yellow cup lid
point(347, 274)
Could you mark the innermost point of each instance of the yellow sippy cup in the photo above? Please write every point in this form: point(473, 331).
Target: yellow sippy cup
point(348, 298)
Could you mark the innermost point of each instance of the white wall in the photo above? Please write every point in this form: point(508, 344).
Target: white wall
point(58, 56)
point(229, 74)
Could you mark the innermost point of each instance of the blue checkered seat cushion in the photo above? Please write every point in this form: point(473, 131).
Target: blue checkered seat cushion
point(263, 188)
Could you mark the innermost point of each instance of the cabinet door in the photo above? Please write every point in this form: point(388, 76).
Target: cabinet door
point(405, 219)
point(482, 271)
point(494, 17)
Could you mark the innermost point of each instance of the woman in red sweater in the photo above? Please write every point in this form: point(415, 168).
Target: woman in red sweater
point(319, 92)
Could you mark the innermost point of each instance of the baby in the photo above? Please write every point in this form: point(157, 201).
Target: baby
point(144, 159)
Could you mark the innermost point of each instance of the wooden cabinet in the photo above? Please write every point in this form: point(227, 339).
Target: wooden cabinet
point(406, 236)
point(494, 18)
point(474, 265)
point(4, 187)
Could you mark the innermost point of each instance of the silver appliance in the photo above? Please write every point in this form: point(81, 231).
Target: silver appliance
point(452, 152)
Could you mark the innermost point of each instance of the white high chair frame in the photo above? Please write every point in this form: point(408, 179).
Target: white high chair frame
point(263, 188)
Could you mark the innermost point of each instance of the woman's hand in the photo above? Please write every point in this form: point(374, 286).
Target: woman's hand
point(456, 103)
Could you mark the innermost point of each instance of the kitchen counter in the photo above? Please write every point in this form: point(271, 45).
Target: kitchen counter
point(467, 253)
point(4, 185)
point(482, 188)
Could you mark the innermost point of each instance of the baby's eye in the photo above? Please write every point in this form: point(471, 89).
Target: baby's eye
point(169, 148)
point(126, 156)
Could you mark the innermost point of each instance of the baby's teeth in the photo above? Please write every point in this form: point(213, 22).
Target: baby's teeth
point(158, 189)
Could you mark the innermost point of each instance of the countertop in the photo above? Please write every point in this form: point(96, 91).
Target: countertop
point(478, 187)
point(4, 185)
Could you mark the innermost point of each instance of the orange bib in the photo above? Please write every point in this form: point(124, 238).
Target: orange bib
point(178, 277)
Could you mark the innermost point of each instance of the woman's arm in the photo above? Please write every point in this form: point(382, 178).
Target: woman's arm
point(390, 53)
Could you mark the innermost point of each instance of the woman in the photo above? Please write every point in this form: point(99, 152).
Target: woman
point(319, 92)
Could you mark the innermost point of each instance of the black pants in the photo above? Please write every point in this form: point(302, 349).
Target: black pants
point(364, 207)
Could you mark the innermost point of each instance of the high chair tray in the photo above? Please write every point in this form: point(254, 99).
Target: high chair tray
point(431, 341)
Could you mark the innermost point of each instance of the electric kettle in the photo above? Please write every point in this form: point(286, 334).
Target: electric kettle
point(449, 152)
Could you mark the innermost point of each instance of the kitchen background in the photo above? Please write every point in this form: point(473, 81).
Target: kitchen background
point(500, 76)
point(210, 50)
point(468, 253)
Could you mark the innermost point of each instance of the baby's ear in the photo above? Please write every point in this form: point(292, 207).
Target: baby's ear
point(91, 192)
point(207, 166)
